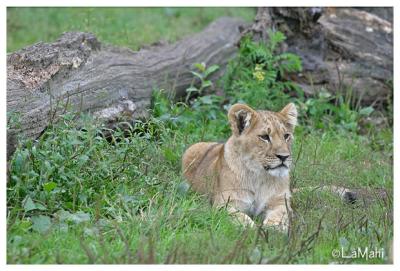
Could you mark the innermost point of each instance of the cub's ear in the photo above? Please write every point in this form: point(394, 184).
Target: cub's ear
point(242, 118)
point(290, 114)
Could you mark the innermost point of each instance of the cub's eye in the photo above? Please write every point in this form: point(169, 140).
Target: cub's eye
point(286, 136)
point(265, 137)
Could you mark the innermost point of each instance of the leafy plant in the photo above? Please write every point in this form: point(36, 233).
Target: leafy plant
point(256, 76)
point(327, 112)
point(55, 173)
point(205, 114)
point(202, 74)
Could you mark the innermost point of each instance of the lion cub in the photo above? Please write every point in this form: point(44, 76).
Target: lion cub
point(250, 172)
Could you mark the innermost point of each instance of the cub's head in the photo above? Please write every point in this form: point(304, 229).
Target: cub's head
point(263, 139)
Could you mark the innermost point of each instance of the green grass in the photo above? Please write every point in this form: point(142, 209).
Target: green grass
point(129, 27)
point(141, 211)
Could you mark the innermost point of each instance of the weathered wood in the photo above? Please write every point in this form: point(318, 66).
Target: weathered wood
point(80, 73)
point(341, 48)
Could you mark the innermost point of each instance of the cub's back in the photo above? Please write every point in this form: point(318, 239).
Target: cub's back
point(200, 165)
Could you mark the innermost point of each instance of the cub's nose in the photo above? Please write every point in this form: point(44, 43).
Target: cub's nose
point(282, 157)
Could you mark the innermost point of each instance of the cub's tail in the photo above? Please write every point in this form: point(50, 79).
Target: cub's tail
point(350, 196)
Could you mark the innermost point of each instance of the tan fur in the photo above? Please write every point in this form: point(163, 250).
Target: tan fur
point(241, 174)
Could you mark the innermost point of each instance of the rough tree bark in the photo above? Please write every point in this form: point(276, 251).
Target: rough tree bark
point(80, 73)
point(341, 48)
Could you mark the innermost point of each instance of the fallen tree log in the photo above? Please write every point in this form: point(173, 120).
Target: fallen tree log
point(342, 49)
point(79, 73)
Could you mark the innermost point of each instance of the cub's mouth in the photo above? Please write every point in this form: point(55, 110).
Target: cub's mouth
point(272, 168)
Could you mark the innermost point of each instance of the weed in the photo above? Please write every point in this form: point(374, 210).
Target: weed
point(256, 75)
point(201, 74)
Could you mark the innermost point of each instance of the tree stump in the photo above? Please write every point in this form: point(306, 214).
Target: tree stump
point(342, 49)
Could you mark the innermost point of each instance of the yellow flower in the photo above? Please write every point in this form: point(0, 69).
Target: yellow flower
point(258, 73)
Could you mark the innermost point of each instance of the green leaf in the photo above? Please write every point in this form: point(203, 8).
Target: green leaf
point(210, 70)
point(28, 204)
point(18, 162)
point(206, 83)
point(198, 75)
point(366, 111)
point(48, 187)
point(275, 38)
point(63, 215)
point(41, 223)
point(40, 206)
point(324, 95)
point(79, 217)
point(206, 99)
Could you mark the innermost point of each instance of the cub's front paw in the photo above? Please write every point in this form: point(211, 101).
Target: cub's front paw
point(280, 224)
point(244, 220)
